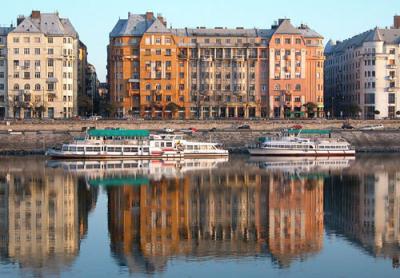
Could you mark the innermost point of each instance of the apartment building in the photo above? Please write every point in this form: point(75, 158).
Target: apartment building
point(362, 74)
point(160, 72)
point(43, 67)
point(3, 70)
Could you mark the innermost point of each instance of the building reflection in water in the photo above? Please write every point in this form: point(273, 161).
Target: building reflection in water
point(43, 215)
point(363, 204)
point(226, 212)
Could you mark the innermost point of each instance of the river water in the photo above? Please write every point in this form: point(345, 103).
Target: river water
point(240, 217)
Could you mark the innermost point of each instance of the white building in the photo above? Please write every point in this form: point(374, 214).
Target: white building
point(42, 67)
point(363, 72)
point(3, 69)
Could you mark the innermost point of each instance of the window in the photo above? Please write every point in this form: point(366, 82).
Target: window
point(288, 41)
point(37, 87)
point(16, 51)
point(168, 98)
point(298, 87)
point(50, 86)
point(50, 40)
point(369, 98)
point(16, 40)
point(158, 51)
point(37, 51)
point(26, 51)
point(277, 87)
point(50, 51)
point(298, 41)
point(50, 62)
point(392, 99)
point(277, 41)
point(168, 52)
point(37, 74)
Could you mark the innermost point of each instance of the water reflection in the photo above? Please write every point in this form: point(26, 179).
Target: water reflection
point(363, 205)
point(231, 211)
point(273, 210)
point(43, 215)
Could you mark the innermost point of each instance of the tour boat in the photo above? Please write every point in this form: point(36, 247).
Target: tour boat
point(289, 143)
point(124, 143)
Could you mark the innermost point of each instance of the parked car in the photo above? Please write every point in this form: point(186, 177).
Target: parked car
point(95, 118)
point(372, 127)
point(245, 126)
point(213, 129)
point(169, 130)
point(347, 126)
point(189, 130)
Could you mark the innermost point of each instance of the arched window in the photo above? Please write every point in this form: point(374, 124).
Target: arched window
point(298, 87)
point(27, 87)
point(277, 87)
point(37, 87)
point(16, 87)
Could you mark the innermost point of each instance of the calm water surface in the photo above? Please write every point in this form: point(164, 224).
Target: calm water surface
point(200, 218)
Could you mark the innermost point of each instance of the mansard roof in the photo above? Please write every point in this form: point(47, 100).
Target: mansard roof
point(49, 24)
point(135, 25)
point(5, 30)
point(285, 27)
point(158, 28)
point(388, 36)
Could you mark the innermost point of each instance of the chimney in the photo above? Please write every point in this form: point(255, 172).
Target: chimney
point(396, 24)
point(129, 14)
point(20, 18)
point(35, 14)
point(149, 16)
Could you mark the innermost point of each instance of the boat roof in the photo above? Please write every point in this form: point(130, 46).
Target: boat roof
point(118, 133)
point(309, 131)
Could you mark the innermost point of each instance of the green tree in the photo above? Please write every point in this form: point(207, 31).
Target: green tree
point(173, 107)
point(85, 105)
point(377, 112)
point(310, 108)
point(352, 109)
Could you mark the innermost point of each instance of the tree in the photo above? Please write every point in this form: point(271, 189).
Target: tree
point(109, 109)
point(85, 105)
point(310, 107)
point(398, 113)
point(377, 112)
point(39, 110)
point(173, 107)
point(352, 109)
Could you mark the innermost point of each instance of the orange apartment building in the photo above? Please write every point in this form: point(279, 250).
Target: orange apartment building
point(160, 72)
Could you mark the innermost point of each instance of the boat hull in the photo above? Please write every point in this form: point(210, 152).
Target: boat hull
point(61, 155)
point(300, 153)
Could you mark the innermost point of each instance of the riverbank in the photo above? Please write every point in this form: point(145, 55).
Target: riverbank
point(36, 139)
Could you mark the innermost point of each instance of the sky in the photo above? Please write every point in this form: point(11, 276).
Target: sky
point(94, 19)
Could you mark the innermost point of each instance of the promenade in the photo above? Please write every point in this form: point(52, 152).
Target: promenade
point(26, 137)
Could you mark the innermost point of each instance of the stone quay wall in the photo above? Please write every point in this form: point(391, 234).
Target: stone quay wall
point(37, 137)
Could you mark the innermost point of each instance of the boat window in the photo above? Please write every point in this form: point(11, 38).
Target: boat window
point(189, 147)
point(81, 149)
point(119, 149)
point(157, 144)
point(146, 150)
point(65, 148)
point(162, 144)
point(72, 149)
point(110, 149)
point(169, 144)
point(97, 149)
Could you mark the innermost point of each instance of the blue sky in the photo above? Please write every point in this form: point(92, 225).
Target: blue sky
point(94, 19)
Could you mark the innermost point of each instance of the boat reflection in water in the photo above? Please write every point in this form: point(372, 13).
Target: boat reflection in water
point(230, 212)
point(44, 215)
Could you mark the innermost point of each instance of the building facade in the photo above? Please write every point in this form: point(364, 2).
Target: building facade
point(362, 74)
point(160, 72)
point(43, 67)
point(3, 70)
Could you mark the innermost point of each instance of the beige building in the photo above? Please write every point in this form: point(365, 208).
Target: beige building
point(362, 74)
point(43, 67)
point(3, 69)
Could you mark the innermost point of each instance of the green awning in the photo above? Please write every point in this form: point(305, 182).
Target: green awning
point(118, 133)
point(310, 131)
point(134, 181)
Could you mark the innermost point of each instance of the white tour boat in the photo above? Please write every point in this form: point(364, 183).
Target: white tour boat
point(121, 143)
point(289, 143)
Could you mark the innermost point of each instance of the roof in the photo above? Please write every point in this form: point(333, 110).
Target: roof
point(5, 30)
point(285, 27)
point(309, 33)
point(135, 25)
point(388, 36)
point(49, 24)
point(158, 27)
point(118, 133)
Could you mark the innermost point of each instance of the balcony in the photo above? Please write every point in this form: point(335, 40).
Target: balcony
point(51, 80)
point(391, 66)
point(133, 80)
point(392, 89)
